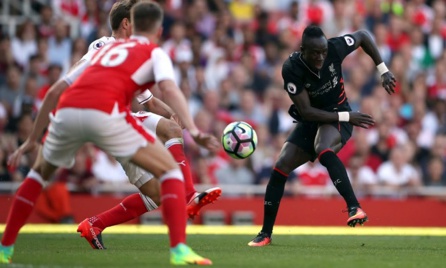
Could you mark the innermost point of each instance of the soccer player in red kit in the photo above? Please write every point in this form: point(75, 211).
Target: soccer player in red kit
point(169, 132)
point(98, 112)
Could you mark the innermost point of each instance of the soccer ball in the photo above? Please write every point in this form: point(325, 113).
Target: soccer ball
point(239, 140)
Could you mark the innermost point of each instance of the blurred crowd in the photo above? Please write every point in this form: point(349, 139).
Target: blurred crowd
point(228, 57)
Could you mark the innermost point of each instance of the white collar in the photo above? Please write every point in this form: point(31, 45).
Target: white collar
point(140, 38)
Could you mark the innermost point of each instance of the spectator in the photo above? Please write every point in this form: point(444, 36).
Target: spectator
point(6, 58)
point(235, 173)
point(12, 89)
point(250, 110)
point(177, 41)
point(90, 19)
point(363, 179)
point(54, 205)
point(37, 69)
point(312, 174)
point(436, 173)
point(54, 73)
point(397, 174)
point(4, 172)
point(46, 27)
point(27, 101)
point(59, 46)
point(24, 44)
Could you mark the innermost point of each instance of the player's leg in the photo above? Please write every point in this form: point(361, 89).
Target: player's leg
point(295, 152)
point(23, 205)
point(157, 160)
point(171, 135)
point(327, 143)
point(129, 208)
point(290, 158)
point(59, 149)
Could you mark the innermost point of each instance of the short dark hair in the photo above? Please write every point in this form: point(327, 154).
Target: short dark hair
point(146, 16)
point(312, 31)
point(119, 11)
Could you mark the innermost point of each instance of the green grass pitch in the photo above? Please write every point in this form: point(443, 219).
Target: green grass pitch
point(151, 250)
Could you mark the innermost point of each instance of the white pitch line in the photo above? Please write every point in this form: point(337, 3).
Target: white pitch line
point(245, 230)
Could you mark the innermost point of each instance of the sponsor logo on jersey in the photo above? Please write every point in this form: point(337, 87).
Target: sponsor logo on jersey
point(349, 40)
point(291, 88)
point(99, 44)
point(335, 81)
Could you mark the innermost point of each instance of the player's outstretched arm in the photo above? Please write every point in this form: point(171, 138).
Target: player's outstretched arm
point(175, 99)
point(157, 106)
point(365, 41)
point(309, 113)
point(42, 120)
point(40, 124)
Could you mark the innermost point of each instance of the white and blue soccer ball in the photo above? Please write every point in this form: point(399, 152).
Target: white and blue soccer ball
point(239, 140)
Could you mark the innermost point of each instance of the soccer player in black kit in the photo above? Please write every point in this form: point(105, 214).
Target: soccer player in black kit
point(314, 82)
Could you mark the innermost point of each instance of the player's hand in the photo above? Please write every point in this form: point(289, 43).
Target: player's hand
point(207, 141)
point(361, 120)
point(388, 82)
point(27, 147)
point(177, 120)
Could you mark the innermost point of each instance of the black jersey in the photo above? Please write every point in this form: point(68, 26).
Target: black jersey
point(326, 88)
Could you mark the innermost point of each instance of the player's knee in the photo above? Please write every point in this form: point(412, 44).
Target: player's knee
point(283, 166)
point(40, 171)
point(319, 148)
point(174, 131)
point(170, 130)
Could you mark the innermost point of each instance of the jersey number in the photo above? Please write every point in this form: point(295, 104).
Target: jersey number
point(113, 55)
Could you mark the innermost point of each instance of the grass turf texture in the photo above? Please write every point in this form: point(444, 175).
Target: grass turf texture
point(144, 249)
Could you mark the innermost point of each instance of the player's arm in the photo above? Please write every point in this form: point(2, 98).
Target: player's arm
point(157, 106)
point(365, 41)
point(311, 114)
point(42, 120)
point(174, 98)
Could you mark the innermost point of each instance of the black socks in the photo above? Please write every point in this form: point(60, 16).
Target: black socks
point(339, 176)
point(273, 195)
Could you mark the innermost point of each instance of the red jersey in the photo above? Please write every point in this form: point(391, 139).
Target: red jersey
point(116, 73)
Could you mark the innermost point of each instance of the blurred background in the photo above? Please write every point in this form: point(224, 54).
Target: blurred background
point(228, 57)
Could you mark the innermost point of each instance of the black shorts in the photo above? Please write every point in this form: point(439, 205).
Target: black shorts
point(304, 134)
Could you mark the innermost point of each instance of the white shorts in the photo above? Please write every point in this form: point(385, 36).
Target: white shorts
point(138, 176)
point(118, 134)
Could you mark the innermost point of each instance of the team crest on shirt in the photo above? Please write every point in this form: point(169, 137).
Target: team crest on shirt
point(307, 85)
point(291, 88)
point(332, 69)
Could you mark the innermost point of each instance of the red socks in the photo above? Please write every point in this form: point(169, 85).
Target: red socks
point(173, 202)
point(131, 207)
point(22, 206)
point(177, 151)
